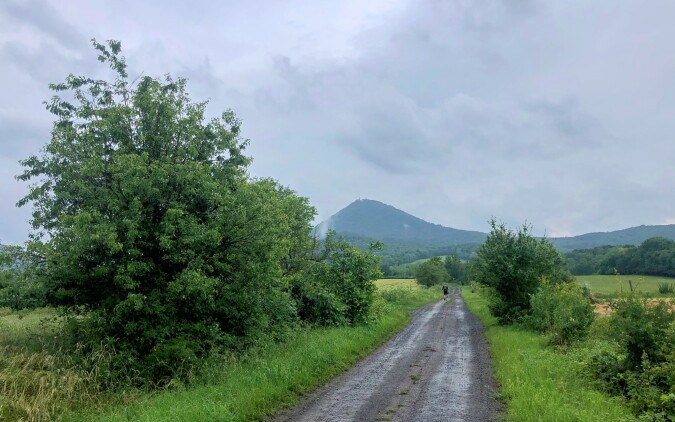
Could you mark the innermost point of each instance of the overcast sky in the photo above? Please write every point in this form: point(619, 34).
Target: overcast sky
point(559, 113)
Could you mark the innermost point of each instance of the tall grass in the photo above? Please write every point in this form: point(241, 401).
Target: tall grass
point(539, 383)
point(667, 288)
point(41, 377)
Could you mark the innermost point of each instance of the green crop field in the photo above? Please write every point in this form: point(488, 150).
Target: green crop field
point(615, 285)
point(389, 283)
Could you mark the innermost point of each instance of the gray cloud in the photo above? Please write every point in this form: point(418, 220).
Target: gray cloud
point(45, 18)
point(559, 113)
point(19, 136)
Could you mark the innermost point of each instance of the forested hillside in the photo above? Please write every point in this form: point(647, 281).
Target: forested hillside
point(408, 238)
point(373, 219)
point(630, 236)
point(655, 256)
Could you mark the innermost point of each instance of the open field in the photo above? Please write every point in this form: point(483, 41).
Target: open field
point(27, 329)
point(389, 283)
point(610, 286)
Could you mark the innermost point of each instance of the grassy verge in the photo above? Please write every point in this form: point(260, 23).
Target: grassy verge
point(537, 382)
point(261, 383)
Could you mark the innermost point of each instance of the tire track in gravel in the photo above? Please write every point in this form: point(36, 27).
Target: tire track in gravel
point(437, 369)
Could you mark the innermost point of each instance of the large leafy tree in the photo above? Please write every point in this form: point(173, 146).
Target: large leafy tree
point(145, 218)
point(514, 264)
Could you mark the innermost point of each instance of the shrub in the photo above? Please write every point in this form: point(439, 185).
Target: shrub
point(338, 286)
point(644, 331)
point(18, 289)
point(667, 288)
point(317, 305)
point(563, 311)
point(147, 221)
point(514, 265)
point(644, 369)
point(432, 272)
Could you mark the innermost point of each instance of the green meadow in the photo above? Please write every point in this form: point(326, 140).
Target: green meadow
point(610, 286)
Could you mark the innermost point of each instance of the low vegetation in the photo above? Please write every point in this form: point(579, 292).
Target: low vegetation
point(538, 382)
point(641, 364)
point(563, 312)
point(41, 380)
point(548, 366)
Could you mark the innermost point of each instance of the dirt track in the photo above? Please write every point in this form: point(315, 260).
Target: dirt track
point(437, 369)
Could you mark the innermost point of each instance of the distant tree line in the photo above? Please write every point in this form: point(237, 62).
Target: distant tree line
point(395, 253)
point(655, 256)
point(437, 270)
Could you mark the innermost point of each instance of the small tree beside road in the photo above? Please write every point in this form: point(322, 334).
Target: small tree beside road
point(513, 265)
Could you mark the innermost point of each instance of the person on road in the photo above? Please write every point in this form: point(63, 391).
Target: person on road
point(446, 291)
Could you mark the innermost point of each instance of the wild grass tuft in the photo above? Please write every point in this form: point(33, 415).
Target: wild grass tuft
point(41, 377)
point(667, 288)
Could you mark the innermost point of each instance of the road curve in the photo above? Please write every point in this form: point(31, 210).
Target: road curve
point(437, 369)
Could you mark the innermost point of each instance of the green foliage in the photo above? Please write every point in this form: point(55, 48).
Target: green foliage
point(643, 369)
point(147, 222)
point(644, 331)
point(655, 256)
point(336, 286)
point(317, 304)
point(431, 272)
point(539, 383)
point(562, 311)
point(397, 254)
point(18, 289)
point(456, 269)
point(514, 265)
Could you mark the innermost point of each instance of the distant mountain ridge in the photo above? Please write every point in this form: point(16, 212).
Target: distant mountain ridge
point(370, 219)
point(629, 236)
point(376, 220)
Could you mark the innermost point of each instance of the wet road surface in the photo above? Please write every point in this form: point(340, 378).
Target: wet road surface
point(437, 369)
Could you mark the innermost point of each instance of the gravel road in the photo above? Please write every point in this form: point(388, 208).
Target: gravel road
point(437, 369)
